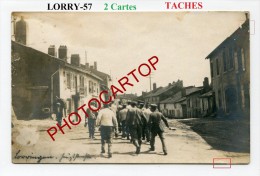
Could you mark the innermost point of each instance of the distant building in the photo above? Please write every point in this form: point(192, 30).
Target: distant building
point(207, 103)
point(159, 94)
point(193, 103)
point(176, 105)
point(190, 102)
point(124, 98)
point(230, 73)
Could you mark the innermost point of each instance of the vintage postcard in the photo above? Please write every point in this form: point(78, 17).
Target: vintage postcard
point(142, 87)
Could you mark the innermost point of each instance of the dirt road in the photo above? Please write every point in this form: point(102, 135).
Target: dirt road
point(31, 143)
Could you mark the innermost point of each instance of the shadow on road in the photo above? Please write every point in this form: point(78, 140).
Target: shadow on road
point(223, 134)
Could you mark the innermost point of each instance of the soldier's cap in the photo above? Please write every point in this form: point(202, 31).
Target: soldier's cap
point(153, 105)
point(133, 102)
point(124, 105)
point(141, 103)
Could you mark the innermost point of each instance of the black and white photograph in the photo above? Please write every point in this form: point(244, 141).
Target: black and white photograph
point(130, 88)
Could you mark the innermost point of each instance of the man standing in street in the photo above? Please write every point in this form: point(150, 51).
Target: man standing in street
point(108, 124)
point(147, 113)
point(122, 120)
point(92, 116)
point(134, 123)
point(59, 107)
point(144, 126)
point(155, 122)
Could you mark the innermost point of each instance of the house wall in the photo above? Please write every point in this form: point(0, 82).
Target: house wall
point(172, 110)
point(193, 105)
point(207, 106)
point(75, 83)
point(31, 82)
point(230, 74)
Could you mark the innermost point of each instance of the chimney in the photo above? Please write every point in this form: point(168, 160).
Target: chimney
point(51, 50)
point(154, 86)
point(63, 52)
point(87, 65)
point(247, 16)
point(91, 67)
point(169, 84)
point(20, 31)
point(95, 65)
point(75, 59)
point(206, 83)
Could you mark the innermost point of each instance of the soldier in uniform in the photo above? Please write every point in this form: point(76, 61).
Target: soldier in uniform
point(157, 128)
point(141, 107)
point(59, 107)
point(92, 116)
point(108, 124)
point(129, 104)
point(122, 120)
point(147, 113)
point(134, 122)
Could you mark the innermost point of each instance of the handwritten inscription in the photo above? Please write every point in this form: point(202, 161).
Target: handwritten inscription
point(38, 158)
point(70, 157)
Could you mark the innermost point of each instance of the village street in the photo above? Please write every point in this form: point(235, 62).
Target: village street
point(31, 140)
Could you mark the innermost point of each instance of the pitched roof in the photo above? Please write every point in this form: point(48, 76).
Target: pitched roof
point(60, 61)
point(162, 90)
point(172, 99)
point(233, 36)
point(207, 94)
point(103, 75)
point(178, 96)
point(193, 90)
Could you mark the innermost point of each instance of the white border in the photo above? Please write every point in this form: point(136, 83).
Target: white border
point(6, 166)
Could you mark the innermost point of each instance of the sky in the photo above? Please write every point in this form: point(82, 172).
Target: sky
point(121, 41)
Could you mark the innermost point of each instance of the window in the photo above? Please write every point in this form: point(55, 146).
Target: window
point(74, 81)
point(81, 85)
point(217, 65)
point(236, 60)
point(81, 81)
point(243, 59)
point(85, 87)
point(94, 88)
point(90, 87)
point(219, 98)
point(231, 58)
point(224, 61)
point(211, 69)
point(68, 81)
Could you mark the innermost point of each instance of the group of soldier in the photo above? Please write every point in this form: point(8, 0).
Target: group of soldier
point(135, 120)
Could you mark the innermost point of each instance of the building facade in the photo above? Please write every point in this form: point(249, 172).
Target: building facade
point(230, 73)
point(37, 78)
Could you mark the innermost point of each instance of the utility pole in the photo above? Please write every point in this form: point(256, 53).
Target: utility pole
point(86, 58)
point(150, 78)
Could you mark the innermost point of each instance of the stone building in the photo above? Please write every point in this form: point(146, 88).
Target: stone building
point(230, 73)
point(37, 78)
